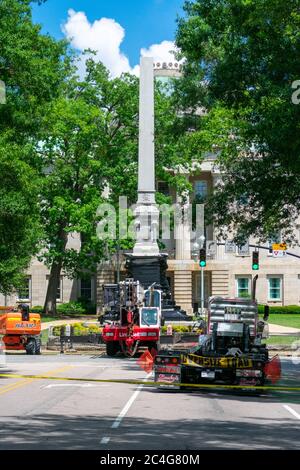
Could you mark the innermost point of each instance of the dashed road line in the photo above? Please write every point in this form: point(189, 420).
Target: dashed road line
point(105, 440)
point(292, 411)
point(128, 405)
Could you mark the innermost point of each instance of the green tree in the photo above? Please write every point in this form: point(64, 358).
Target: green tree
point(241, 62)
point(91, 146)
point(31, 66)
point(19, 227)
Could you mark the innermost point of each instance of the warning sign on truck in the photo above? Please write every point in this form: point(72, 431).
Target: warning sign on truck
point(221, 362)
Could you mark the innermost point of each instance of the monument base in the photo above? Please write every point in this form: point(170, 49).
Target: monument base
point(148, 269)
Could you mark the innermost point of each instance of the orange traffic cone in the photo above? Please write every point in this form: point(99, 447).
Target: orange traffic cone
point(146, 362)
point(273, 369)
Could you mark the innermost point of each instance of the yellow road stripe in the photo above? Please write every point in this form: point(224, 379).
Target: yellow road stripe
point(61, 369)
point(156, 384)
point(15, 385)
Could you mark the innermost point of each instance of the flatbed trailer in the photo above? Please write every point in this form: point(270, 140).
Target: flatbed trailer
point(231, 352)
point(188, 366)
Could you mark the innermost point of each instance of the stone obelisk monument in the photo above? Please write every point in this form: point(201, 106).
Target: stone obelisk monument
point(146, 263)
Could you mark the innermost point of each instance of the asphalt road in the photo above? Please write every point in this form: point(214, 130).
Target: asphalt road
point(52, 414)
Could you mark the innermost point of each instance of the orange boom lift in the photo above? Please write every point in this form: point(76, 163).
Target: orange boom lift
point(21, 330)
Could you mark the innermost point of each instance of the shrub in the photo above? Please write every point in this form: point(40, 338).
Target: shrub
point(70, 308)
point(89, 307)
point(37, 309)
point(56, 330)
point(78, 329)
point(277, 309)
point(177, 329)
point(80, 307)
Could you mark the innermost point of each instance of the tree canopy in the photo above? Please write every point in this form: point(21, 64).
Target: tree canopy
point(242, 57)
point(30, 67)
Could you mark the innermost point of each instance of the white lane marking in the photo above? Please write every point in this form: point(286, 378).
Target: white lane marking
point(293, 412)
point(131, 400)
point(75, 385)
point(105, 440)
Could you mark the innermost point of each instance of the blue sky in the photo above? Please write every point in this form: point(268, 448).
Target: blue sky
point(145, 22)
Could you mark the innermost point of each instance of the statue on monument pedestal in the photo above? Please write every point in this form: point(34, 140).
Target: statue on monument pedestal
point(146, 225)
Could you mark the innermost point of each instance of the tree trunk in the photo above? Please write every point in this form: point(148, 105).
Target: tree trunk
point(54, 278)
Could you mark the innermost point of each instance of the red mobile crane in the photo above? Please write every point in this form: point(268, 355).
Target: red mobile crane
point(137, 318)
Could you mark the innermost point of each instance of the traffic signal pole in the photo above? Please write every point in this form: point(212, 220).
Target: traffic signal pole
point(202, 290)
point(202, 263)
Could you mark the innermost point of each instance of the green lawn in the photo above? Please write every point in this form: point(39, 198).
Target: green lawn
point(48, 319)
point(282, 319)
point(44, 336)
point(282, 340)
point(68, 317)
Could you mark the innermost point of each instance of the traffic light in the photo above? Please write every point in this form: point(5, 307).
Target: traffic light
point(255, 260)
point(202, 262)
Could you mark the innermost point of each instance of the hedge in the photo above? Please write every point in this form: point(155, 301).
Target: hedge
point(37, 309)
point(70, 308)
point(277, 309)
point(78, 329)
point(177, 329)
point(81, 307)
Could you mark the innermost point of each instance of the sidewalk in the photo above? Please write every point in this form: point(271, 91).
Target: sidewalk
point(67, 321)
point(282, 330)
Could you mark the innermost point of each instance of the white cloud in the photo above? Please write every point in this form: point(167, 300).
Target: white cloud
point(105, 36)
point(163, 52)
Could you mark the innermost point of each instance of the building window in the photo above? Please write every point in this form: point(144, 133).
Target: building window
point(275, 288)
point(59, 289)
point(163, 187)
point(86, 289)
point(243, 287)
point(24, 292)
point(200, 189)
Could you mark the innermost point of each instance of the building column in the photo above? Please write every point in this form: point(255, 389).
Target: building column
point(183, 285)
point(182, 228)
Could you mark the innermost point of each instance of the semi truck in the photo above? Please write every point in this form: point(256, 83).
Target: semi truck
point(232, 351)
point(136, 318)
point(21, 330)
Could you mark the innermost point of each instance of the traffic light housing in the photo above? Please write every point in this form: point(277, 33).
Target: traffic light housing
point(255, 261)
point(202, 261)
